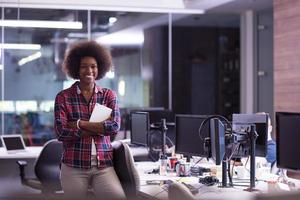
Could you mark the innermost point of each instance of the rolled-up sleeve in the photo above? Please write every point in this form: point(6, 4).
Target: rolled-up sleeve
point(62, 131)
point(112, 126)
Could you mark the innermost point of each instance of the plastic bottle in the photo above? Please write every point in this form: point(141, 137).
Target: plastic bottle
point(163, 165)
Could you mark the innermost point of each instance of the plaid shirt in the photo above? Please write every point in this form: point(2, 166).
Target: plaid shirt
point(70, 105)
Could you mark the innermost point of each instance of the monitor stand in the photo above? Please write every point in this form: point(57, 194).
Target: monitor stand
point(253, 137)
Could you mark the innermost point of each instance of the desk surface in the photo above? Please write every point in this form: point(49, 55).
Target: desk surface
point(160, 191)
point(31, 152)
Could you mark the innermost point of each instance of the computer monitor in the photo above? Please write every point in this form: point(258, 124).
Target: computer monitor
point(217, 140)
point(241, 122)
point(155, 116)
point(139, 127)
point(288, 140)
point(13, 143)
point(187, 140)
point(126, 114)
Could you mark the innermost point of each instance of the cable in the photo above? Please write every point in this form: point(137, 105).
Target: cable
point(247, 163)
point(229, 175)
point(232, 167)
point(163, 190)
point(211, 117)
point(230, 157)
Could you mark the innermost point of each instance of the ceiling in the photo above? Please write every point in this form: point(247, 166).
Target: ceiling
point(134, 15)
point(163, 6)
point(239, 6)
point(218, 13)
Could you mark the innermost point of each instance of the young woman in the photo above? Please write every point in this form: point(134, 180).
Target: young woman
point(87, 160)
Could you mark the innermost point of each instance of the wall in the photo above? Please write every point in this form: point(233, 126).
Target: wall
point(287, 55)
point(264, 66)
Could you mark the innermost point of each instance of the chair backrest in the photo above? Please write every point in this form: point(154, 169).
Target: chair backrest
point(177, 191)
point(125, 168)
point(47, 166)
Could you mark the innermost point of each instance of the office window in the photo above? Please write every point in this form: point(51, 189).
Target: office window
point(31, 69)
point(30, 64)
point(135, 40)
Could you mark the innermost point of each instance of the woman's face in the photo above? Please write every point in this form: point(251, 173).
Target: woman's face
point(88, 70)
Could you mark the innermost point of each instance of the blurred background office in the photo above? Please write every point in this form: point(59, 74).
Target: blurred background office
point(191, 57)
point(201, 58)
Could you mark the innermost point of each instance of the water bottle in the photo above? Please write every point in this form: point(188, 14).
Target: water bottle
point(163, 166)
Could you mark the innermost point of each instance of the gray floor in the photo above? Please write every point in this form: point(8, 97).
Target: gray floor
point(10, 183)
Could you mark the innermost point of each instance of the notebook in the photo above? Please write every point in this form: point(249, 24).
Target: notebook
point(13, 143)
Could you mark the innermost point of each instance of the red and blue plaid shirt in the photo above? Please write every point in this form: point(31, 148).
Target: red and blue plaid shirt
point(70, 105)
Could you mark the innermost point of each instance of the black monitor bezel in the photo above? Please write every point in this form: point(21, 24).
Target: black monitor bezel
point(278, 136)
point(147, 128)
point(217, 140)
point(260, 150)
point(197, 136)
point(160, 114)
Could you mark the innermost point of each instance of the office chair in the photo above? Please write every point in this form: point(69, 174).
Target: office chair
point(47, 169)
point(177, 191)
point(125, 169)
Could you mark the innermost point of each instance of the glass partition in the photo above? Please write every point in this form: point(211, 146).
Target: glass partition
point(32, 74)
point(204, 55)
point(1, 73)
point(32, 69)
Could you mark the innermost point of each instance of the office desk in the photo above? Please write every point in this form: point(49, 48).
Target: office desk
point(9, 167)
point(160, 191)
point(31, 152)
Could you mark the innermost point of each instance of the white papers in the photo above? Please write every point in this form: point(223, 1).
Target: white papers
point(100, 113)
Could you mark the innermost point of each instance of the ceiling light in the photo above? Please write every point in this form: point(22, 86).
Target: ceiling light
point(41, 24)
point(122, 38)
point(110, 74)
point(112, 20)
point(121, 88)
point(20, 46)
point(30, 58)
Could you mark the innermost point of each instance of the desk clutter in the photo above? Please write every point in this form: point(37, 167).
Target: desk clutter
point(179, 165)
point(201, 178)
point(223, 143)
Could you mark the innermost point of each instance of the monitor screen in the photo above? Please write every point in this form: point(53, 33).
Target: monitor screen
point(240, 122)
point(217, 140)
point(139, 128)
point(13, 142)
point(187, 140)
point(125, 114)
point(288, 140)
point(155, 116)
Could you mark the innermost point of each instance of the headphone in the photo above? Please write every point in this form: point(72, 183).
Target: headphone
point(209, 180)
